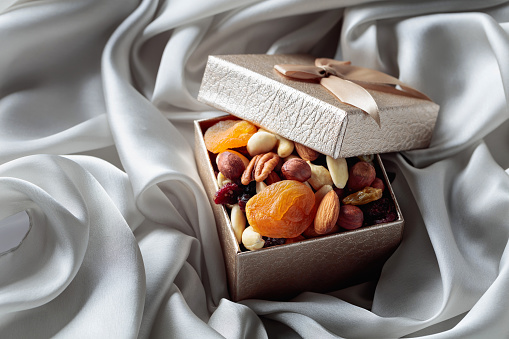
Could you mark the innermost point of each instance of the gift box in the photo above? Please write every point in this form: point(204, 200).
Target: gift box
point(307, 111)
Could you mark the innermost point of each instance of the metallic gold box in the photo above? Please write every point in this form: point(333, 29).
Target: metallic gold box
point(320, 264)
point(248, 87)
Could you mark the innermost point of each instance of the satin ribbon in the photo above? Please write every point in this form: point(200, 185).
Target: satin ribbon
point(348, 83)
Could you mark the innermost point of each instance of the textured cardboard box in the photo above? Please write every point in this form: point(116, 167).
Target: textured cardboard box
point(249, 87)
point(321, 264)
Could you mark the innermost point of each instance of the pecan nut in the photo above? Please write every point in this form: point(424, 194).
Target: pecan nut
point(266, 163)
point(249, 172)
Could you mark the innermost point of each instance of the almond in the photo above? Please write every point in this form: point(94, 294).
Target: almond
point(306, 153)
point(327, 213)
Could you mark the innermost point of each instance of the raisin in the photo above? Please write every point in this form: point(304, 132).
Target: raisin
point(367, 194)
point(242, 200)
point(250, 188)
point(227, 194)
point(273, 241)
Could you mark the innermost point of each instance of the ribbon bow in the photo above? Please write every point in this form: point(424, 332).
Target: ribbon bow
point(348, 83)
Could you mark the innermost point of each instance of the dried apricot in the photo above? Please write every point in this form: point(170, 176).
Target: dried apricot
point(228, 134)
point(282, 210)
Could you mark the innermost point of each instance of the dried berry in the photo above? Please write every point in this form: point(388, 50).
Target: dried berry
point(227, 194)
point(379, 211)
point(242, 200)
point(250, 188)
point(273, 241)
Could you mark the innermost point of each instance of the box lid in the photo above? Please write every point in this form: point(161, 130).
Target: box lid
point(249, 87)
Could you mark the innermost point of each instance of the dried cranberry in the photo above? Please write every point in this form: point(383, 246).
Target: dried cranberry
point(227, 194)
point(379, 211)
point(391, 216)
point(242, 200)
point(273, 241)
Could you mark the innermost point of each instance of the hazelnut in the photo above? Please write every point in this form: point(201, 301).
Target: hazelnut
point(350, 217)
point(378, 183)
point(230, 164)
point(361, 175)
point(296, 169)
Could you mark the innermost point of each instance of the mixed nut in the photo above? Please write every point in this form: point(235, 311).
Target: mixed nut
point(280, 192)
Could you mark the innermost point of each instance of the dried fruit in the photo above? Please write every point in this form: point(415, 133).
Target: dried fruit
point(350, 217)
point(273, 241)
point(361, 175)
point(364, 196)
point(228, 134)
point(242, 201)
point(380, 211)
point(227, 194)
point(282, 210)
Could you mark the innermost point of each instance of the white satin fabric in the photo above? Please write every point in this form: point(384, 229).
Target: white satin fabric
point(97, 99)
